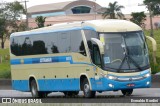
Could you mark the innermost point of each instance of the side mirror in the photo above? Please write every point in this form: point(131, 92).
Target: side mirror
point(100, 45)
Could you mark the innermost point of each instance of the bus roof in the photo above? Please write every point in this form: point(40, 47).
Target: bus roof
point(108, 25)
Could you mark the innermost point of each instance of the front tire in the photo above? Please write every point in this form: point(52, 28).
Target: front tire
point(86, 89)
point(127, 92)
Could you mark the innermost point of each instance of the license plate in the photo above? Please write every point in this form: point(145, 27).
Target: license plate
point(130, 85)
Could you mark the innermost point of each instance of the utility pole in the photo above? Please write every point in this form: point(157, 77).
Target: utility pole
point(150, 15)
point(151, 23)
point(25, 2)
point(95, 9)
point(25, 10)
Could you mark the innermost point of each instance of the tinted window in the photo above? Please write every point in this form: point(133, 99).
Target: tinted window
point(52, 43)
point(14, 46)
point(90, 34)
point(77, 44)
point(81, 9)
point(64, 42)
point(60, 42)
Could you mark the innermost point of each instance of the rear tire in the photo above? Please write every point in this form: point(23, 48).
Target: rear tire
point(34, 91)
point(86, 89)
point(127, 92)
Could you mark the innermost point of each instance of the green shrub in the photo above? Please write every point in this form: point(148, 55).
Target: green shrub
point(155, 67)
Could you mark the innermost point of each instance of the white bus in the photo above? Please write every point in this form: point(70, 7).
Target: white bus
point(92, 56)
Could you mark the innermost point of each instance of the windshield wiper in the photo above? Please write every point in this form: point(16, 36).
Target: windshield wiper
point(122, 63)
point(127, 57)
point(140, 69)
point(125, 52)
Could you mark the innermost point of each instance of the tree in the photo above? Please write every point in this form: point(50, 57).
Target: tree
point(154, 9)
point(113, 10)
point(138, 18)
point(154, 5)
point(9, 15)
point(40, 20)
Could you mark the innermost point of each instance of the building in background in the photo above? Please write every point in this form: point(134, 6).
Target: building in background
point(65, 12)
point(71, 11)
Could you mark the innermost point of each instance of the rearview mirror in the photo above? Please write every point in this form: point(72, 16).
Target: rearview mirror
point(100, 45)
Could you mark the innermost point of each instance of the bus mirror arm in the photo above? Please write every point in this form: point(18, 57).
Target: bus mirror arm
point(100, 45)
point(154, 47)
point(154, 44)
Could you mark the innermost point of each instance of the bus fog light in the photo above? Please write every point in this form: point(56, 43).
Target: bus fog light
point(148, 83)
point(111, 85)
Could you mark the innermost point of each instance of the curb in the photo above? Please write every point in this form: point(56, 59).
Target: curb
point(5, 82)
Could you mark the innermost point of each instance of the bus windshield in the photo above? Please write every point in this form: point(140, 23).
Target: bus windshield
point(125, 52)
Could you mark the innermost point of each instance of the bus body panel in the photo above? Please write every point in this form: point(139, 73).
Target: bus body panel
point(62, 71)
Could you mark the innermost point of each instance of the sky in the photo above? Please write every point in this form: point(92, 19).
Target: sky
point(130, 5)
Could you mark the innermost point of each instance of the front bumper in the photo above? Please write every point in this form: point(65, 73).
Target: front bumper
point(105, 84)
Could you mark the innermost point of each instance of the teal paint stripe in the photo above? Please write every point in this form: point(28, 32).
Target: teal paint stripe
point(55, 59)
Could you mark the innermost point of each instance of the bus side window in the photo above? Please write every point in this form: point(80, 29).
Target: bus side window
point(77, 44)
point(64, 42)
point(90, 34)
point(96, 56)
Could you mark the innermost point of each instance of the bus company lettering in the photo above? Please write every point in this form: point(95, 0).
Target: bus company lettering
point(45, 60)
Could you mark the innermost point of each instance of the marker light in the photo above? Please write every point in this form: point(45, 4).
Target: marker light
point(147, 75)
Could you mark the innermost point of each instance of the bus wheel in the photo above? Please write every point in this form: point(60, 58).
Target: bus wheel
point(34, 89)
point(86, 89)
point(127, 92)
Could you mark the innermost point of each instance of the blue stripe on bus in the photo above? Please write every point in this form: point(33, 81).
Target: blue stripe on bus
point(73, 84)
point(49, 31)
point(21, 85)
point(55, 59)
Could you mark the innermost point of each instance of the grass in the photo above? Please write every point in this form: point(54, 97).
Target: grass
point(5, 65)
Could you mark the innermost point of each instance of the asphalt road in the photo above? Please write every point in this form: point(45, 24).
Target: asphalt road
point(147, 92)
point(142, 95)
point(105, 97)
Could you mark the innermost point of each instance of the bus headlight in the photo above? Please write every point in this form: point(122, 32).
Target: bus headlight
point(147, 75)
point(111, 77)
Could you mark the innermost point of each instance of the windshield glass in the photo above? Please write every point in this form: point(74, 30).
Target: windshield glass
point(125, 52)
